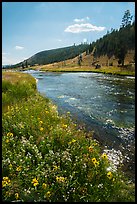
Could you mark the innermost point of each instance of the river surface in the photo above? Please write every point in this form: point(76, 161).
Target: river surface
point(104, 104)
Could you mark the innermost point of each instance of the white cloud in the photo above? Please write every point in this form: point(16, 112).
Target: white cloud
point(83, 27)
point(77, 20)
point(19, 47)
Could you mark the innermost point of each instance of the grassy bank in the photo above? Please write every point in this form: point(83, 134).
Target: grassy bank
point(105, 70)
point(45, 157)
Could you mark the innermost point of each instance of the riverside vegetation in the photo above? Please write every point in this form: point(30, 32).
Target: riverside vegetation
point(46, 157)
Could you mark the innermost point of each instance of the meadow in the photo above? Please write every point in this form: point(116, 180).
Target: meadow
point(47, 157)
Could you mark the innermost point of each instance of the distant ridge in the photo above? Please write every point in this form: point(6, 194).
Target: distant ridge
point(55, 55)
point(116, 44)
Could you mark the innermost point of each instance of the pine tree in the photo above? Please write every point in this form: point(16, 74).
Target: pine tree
point(26, 64)
point(127, 18)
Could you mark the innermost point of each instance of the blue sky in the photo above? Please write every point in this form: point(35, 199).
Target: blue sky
point(31, 27)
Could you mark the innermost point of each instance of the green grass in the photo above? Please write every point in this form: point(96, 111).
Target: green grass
point(45, 157)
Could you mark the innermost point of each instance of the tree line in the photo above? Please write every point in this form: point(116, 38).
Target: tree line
point(117, 42)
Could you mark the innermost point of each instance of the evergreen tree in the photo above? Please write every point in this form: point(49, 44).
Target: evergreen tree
point(22, 66)
point(79, 59)
point(26, 64)
point(127, 18)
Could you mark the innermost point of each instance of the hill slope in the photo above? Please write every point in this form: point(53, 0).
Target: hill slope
point(55, 55)
point(112, 49)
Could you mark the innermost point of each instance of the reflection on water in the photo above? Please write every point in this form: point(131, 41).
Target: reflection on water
point(104, 103)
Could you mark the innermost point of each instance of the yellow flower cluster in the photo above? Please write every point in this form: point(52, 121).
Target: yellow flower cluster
point(60, 179)
point(95, 162)
point(90, 149)
point(35, 182)
point(10, 134)
point(6, 181)
point(72, 141)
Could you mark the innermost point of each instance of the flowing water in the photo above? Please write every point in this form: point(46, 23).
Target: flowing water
point(105, 104)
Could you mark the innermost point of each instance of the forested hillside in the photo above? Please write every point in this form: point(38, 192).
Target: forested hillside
point(55, 55)
point(116, 43)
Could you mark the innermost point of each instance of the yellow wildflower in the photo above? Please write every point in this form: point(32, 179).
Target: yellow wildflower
point(8, 193)
point(104, 156)
point(6, 181)
point(60, 179)
point(16, 196)
point(90, 149)
point(72, 141)
point(10, 165)
point(109, 175)
point(113, 179)
point(41, 129)
point(55, 167)
point(10, 134)
point(7, 140)
point(5, 178)
point(47, 112)
point(41, 122)
point(64, 126)
point(44, 185)
point(35, 182)
point(95, 162)
point(48, 194)
point(18, 168)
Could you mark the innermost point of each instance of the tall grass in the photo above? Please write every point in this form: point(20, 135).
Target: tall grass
point(45, 157)
point(15, 87)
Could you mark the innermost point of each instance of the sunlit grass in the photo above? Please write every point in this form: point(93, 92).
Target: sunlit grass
point(45, 157)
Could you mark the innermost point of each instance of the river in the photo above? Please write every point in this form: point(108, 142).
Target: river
point(104, 104)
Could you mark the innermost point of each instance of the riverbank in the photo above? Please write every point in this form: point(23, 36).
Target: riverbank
point(104, 70)
point(121, 71)
point(46, 157)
